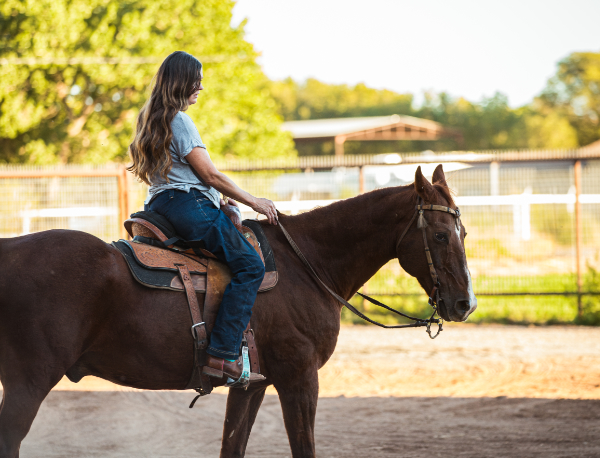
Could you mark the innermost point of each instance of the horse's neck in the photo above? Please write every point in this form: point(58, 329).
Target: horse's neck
point(349, 241)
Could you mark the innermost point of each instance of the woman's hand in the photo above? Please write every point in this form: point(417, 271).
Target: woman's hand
point(230, 201)
point(267, 208)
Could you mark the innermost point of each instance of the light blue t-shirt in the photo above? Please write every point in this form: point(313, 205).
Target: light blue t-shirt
point(182, 176)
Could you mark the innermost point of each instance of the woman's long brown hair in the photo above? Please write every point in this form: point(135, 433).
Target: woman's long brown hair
point(173, 84)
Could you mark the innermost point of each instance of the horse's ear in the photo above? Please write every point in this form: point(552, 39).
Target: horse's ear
point(423, 187)
point(438, 176)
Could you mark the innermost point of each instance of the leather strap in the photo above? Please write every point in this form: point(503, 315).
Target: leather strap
point(406, 229)
point(252, 350)
point(440, 208)
point(198, 381)
point(432, 271)
point(190, 292)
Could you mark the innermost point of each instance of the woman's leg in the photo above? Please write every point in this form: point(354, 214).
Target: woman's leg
point(247, 270)
point(196, 218)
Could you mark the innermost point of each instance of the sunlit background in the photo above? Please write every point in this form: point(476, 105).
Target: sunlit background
point(310, 102)
point(466, 48)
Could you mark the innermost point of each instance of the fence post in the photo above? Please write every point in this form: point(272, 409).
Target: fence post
point(361, 179)
point(578, 233)
point(494, 178)
point(123, 189)
point(339, 141)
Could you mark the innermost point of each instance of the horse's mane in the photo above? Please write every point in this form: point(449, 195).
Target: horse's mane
point(408, 191)
point(341, 205)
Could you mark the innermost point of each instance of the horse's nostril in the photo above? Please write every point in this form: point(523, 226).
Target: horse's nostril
point(463, 306)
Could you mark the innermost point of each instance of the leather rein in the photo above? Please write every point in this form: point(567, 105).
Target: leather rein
point(434, 296)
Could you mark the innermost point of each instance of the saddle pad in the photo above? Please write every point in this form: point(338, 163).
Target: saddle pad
point(156, 278)
point(263, 242)
point(154, 257)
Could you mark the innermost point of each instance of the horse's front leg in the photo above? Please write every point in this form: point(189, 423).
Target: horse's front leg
point(299, 404)
point(242, 407)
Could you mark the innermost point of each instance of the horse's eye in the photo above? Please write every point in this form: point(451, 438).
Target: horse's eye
point(441, 237)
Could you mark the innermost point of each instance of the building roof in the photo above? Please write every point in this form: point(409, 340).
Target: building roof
point(328, 128)
point(595, 146)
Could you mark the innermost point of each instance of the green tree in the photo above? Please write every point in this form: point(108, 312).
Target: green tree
point(575, 93)
point(314, 99)
point(483, 125)
point(493, 124)
point(489, 124)
point(74, 74)
point(543, 128)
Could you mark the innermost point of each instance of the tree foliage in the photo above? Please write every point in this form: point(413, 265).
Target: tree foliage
point(565, 115)
point(84, 111)
point(493, 124)
point(316, 100)
point(575, 92)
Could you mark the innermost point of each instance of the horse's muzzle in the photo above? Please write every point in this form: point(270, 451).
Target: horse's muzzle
point(462, 309)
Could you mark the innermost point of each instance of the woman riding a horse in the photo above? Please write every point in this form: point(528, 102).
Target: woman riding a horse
point(169, 155)
point(70, 306)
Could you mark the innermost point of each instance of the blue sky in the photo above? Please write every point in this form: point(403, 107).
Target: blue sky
point(467, 48)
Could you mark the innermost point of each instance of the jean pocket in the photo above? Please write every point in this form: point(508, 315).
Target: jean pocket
point(198, 195)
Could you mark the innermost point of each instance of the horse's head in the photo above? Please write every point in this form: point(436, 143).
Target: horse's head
point(445, 236)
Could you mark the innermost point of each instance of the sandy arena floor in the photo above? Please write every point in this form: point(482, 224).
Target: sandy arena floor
point(476, 391)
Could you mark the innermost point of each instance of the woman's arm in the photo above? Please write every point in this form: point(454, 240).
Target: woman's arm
point(200, 161)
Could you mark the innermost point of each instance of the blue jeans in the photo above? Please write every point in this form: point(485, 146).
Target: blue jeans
point(196, 218)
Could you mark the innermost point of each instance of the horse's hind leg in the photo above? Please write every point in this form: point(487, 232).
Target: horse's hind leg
point(26, 383)
point(242, 407)
point(19, 407)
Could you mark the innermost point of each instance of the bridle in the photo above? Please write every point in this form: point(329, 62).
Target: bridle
point(434, 297)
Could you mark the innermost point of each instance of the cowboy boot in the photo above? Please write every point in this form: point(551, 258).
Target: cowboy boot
point(218, 367)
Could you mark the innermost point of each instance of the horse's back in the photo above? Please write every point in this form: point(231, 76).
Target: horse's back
point(52, 260)
point(49, 246)
point(52, 281)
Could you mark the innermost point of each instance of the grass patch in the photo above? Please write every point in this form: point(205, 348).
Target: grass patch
point(549, 283)
point(491, 309)
point(591, 304)
point(391, 279)
point(506, 310)
point(526, 310)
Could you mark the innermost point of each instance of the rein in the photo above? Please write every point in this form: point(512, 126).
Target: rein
point(434, 296)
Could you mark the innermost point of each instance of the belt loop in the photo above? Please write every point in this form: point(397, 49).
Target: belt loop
point(171, 193)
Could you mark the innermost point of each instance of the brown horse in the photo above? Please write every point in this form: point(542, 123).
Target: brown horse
point(69, 305)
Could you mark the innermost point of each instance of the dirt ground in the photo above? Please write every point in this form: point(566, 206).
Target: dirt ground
point(476, 391)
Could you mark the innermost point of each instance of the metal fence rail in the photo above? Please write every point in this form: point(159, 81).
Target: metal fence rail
point(88, 198)
point(533, 218)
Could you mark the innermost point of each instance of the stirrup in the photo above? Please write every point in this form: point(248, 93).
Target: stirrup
point(244, 379)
